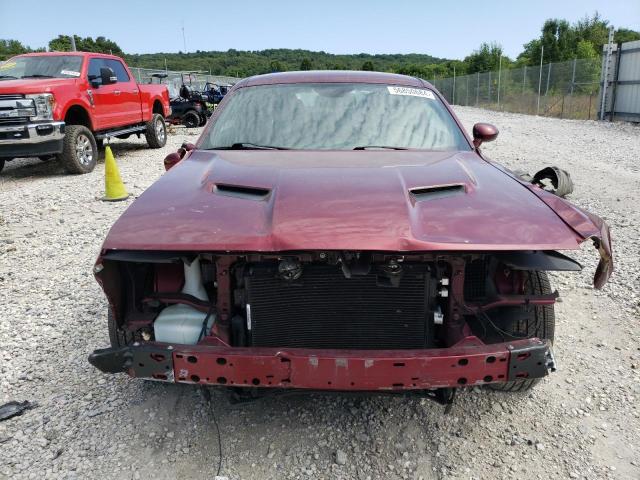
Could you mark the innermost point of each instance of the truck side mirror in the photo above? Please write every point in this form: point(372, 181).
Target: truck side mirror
point(107, 76)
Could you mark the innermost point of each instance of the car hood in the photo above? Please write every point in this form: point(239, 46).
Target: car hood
point(33, 85)
point(272, 200)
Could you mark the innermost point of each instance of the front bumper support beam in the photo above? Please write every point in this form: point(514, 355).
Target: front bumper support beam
point(467, 363)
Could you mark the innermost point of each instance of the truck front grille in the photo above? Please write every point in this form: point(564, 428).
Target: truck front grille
point(14, 121)
point(323, 309)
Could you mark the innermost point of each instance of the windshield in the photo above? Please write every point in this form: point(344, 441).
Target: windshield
point(341, 116)
point(51, 66)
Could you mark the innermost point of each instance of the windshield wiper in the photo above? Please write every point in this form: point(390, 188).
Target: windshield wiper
point(8, 76)
point(248, 146)
point(37, 75)
point(383, 147)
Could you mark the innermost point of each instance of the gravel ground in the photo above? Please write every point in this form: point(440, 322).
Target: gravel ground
point(581, 422)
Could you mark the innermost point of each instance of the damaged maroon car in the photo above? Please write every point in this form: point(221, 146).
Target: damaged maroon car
point(339, 231)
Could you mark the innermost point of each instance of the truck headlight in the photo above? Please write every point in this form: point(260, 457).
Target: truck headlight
point(45, 103)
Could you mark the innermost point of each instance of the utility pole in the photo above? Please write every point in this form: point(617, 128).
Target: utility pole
point(73, 43)
point(184, 39)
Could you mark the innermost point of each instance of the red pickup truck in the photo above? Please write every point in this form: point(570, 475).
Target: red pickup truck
point(65, 104)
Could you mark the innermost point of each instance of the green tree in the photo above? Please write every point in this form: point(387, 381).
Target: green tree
point(484, 59)
point(625, 35)
point(368, 66)
point(9, 48)
point(562, 41)
point(62, 43)
point(276, 66)
point(585, 49)
point(305, 64)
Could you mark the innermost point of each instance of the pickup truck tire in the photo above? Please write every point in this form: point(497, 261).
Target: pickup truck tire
point(191, 119)
point(79, 150)
point(539, 323)
point(156, 133)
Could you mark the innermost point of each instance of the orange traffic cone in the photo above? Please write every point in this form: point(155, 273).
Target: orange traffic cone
point(113, 187)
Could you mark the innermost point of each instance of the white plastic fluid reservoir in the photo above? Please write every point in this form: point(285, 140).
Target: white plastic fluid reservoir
point(182, 323)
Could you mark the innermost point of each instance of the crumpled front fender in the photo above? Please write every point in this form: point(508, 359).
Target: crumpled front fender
point(586, 225)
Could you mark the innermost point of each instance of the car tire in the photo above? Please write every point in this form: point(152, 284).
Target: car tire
point(79, 150)
point(191, 119)
point(117, 337)
point(156, 132)
point(540, 323)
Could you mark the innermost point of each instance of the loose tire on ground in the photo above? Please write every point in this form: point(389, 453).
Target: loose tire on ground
point(191, 119)
point(539, 323)
point(156, 132)
point(79, 150)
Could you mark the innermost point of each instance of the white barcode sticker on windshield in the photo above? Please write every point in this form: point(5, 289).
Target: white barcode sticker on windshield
point(71, 73)
point(412, 92)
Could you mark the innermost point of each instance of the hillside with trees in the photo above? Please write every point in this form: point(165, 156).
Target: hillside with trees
point(561, 41)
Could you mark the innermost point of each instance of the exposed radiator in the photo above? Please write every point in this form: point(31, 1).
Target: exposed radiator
point(323, 309)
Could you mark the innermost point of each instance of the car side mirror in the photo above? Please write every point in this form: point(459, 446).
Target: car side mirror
point(484, 132)
point(107, 76)
point(173, 158)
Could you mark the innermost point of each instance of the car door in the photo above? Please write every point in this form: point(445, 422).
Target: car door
point(105, 108)
point(126, 94)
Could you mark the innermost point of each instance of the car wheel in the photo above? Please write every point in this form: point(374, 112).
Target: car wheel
point(191, 119)
point(156, 132)
point(539, 322)
point(79, 150)
point(120, 338)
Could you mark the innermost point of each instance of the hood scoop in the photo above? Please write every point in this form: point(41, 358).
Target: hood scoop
point(420, 194)
point(242, 191)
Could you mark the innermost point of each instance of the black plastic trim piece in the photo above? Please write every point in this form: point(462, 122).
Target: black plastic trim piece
point(548, 260)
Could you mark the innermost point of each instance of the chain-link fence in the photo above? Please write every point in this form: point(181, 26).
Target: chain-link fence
point(564, 89)
point(174, 79)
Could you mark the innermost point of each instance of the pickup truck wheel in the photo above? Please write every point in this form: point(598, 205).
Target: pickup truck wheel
point(120, 338)
point(191, 119)
point(540, 323)
point(79, 150)
point(156, 133)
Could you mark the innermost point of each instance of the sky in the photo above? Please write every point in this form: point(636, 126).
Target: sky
point(443, 29)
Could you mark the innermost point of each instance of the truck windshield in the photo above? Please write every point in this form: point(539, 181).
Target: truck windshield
point(42, 66)
point(334, 116)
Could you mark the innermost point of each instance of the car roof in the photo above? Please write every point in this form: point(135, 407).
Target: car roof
point(333, 76)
